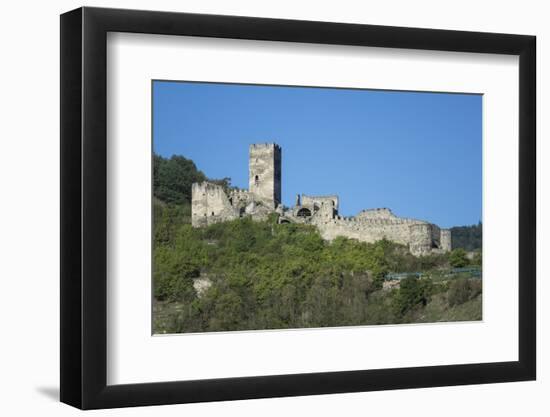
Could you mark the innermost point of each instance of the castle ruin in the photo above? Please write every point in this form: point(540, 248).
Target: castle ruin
point(212, 204)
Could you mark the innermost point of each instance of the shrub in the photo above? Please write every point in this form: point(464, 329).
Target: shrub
point(462, 290)
point(477, 259)
point(412, 292)
point(458, 258)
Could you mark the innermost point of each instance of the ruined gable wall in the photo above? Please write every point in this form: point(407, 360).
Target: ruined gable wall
point(240, 198)
point(328, 209)
point(308, 200)
point(210, 204)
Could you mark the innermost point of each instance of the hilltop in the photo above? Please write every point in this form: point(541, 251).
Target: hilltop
point(246, 274)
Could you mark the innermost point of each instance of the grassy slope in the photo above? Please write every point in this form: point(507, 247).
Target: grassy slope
point(438, 310)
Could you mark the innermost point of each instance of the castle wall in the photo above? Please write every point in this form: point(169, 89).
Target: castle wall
point(396, 230)
point(307, 200)
point(376, 213)
point(264, 173)
point(436, 235)
point(328, 209)
point(445, 240)
point(210, 204)
point(421, 239)
point(417, 235)
point(240, 199)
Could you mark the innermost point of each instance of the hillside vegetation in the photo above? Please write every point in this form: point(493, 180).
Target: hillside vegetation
point(262, 275)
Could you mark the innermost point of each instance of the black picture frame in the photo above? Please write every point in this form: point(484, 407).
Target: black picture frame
point(84, 207)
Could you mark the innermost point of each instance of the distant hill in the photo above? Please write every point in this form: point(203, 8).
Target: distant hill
point(467, 237)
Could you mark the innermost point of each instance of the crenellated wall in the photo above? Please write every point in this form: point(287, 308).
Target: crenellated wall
point(240, 198)
point(417, 235)
point(376, 213)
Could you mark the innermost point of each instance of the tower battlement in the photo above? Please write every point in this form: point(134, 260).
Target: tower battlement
point(267, 145)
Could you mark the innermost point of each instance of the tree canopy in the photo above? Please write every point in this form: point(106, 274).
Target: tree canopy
point(467, 237)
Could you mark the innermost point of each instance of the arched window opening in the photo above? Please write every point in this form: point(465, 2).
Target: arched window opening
point(304, 212)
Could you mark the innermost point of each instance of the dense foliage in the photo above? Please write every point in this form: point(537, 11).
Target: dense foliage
point(244, 274)
point(461, 290)
point(467, 237)
point(263, 275)
point(173, 177)
point(458, 258)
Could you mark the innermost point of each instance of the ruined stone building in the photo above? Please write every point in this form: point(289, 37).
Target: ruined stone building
point(212, 204)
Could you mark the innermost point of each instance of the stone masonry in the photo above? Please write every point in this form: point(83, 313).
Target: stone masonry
point(212, 204)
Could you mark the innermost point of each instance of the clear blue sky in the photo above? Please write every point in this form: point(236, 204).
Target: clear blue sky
point(419, 154)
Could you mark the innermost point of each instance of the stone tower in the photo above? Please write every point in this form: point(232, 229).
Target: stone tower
point(264, 173)
point(445, 240)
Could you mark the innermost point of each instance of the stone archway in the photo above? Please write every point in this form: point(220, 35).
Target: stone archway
point(304, 212)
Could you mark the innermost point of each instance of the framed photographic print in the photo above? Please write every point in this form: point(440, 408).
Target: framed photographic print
point(257, 207)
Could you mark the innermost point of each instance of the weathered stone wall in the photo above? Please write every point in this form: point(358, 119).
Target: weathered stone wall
point(396, 229)
point(372, 225)
point(436, 236)
point(309, 200)
point(240, 199)
point(264, 173)
point(376, 213)
point(445, 240)
point(328, 209)
point(421, 239)
point(210, 204)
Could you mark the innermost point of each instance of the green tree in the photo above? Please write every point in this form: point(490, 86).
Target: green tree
point(458, 258)
point(172, 178)
point(477, 259)
point(412, 292)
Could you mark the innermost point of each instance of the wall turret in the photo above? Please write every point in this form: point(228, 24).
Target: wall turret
point(420, 239)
